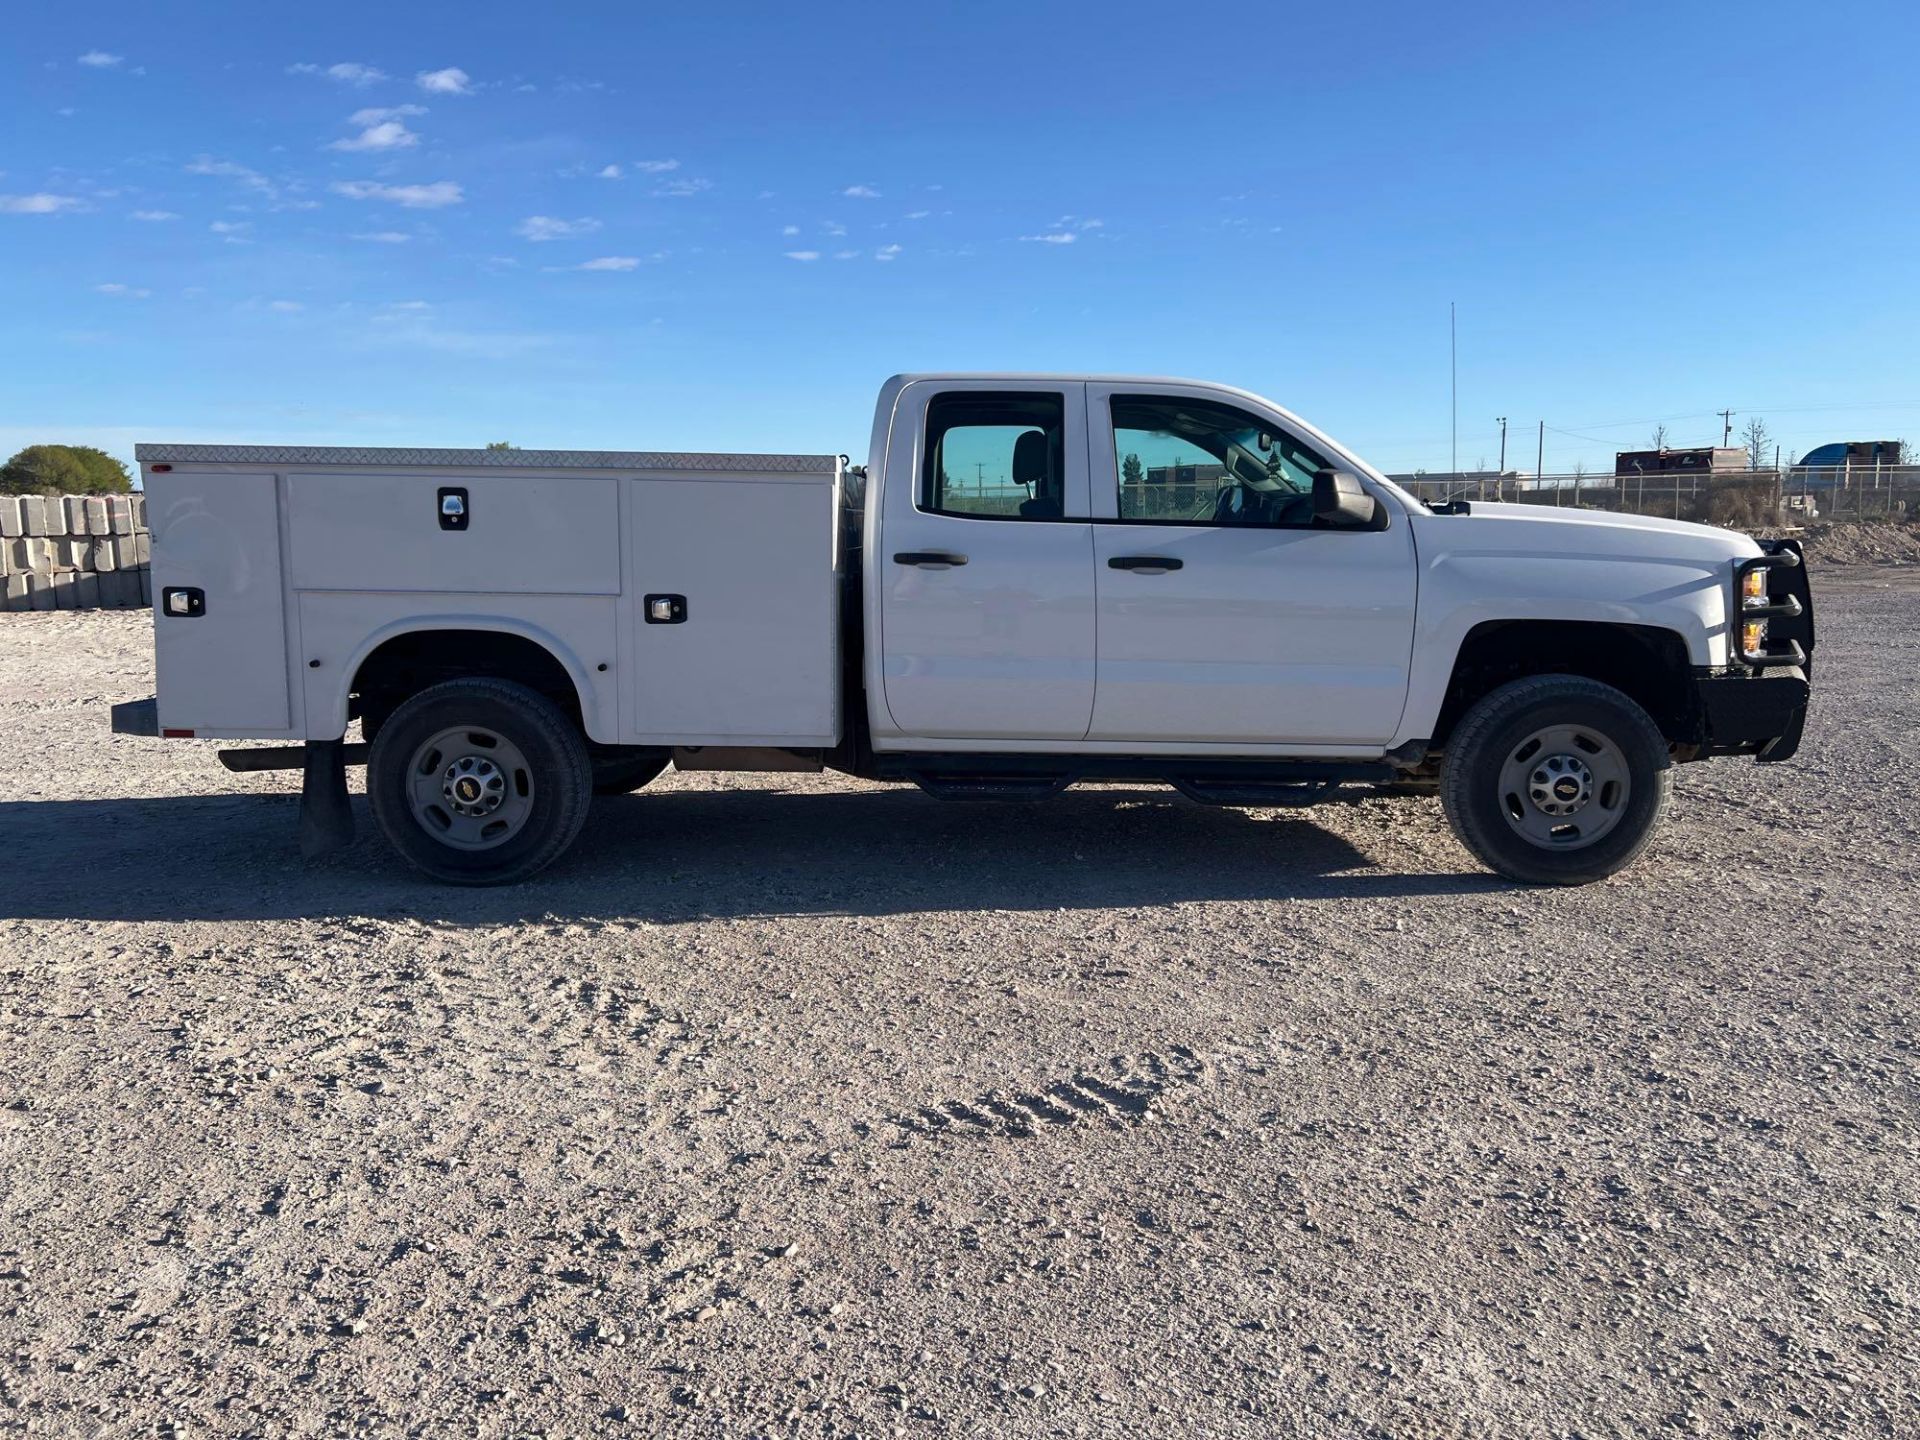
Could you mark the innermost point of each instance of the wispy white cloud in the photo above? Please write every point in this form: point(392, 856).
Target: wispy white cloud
point(833, 228)
point(846, 254)
point(608, 172)
point(376, 114)
point(655, 167)
point(886, 252)
point(1053, 237)
point(124, 292)
point(789, 229)
point(552, 227)
point(383, 237)
point(918, 214)
point(803, 255)
point(861, 192)
point(40, 204)
point(681, 188)
point(347, 72)
point(431, 196)
point(387, 135)
point(450, 81)
point(232, 170)
point(611, 262)
point(100, 60)
point(153, 215)
point(285, 307)
point(418, 330)
point(234, 232)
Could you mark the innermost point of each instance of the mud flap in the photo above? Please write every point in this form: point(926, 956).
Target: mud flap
point(326, 818)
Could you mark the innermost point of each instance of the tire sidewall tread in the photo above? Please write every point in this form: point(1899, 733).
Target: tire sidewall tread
point(551, 743)
point(1499, 720)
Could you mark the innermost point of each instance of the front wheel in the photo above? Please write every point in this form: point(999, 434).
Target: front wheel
point(1556, 780)
point(479, 782)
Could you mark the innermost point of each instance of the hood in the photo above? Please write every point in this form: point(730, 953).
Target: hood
point(1553, 529)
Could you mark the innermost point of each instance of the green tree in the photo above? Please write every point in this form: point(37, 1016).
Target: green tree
point(64, 470)
point(501, 445)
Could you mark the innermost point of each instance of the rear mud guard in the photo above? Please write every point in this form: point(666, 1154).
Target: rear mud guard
point(326, 818)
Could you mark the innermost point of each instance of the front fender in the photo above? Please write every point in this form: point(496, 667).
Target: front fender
point(1458, 591)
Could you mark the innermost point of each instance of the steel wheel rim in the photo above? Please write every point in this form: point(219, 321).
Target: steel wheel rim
point(470, 787)
point(1565, 787)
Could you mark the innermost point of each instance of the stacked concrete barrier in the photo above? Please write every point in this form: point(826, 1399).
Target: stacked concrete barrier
point(74, 552)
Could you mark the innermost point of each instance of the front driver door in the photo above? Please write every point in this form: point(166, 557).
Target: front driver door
point(1265, 628)
point(985, 563)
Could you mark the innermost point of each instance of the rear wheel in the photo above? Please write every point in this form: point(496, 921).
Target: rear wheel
point(1556, 780)
point(479, 782)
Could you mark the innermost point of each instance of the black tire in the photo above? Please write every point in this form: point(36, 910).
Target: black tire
point(1491, 816)
point(555, 778)
point(618, 774)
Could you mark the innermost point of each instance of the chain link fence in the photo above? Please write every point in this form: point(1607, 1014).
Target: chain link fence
point(1741, 498)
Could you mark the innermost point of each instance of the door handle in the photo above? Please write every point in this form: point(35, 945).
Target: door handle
point(1144, 564)
point(930, 559)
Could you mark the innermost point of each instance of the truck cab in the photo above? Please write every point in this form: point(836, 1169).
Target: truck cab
point(1033, 581)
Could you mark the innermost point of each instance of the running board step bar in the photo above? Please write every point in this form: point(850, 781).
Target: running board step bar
point(992, 787)
point(284, 757)
point(1255, 795)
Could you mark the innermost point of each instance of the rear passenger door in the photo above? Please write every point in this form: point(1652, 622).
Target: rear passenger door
point(985, 563)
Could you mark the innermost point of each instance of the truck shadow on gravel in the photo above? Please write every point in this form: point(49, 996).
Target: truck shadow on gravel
point(687, 855)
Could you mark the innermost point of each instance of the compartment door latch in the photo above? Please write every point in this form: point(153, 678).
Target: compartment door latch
point(454, 511)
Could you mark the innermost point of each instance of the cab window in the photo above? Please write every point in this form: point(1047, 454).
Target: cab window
point(1185, 461)
point(994, 456)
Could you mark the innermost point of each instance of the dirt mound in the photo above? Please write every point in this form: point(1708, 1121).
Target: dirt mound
point(1861, 543)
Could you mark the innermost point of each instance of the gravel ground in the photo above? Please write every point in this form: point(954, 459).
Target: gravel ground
point(799, 1106)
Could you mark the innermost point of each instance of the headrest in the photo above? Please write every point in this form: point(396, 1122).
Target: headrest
point(1030, 458)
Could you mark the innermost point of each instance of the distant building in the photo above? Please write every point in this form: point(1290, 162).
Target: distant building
point(1829, 467)
point(1696, 460)
point(1856, 453)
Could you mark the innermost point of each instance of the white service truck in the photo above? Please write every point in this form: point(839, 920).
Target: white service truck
point(1033, 581)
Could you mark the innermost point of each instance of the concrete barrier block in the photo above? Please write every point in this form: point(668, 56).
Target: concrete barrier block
point(124, 585)
point(76, 510)
point(146, 586)
point(10, 516)
point(64, 597)
point(139, 504)
point(32, 552)
point(120, 513)
point(97, 516)
point(86, 590)
point(143, 547)
point(53, 516)
point(74, 554)
point(103, 553)
point(33, 515)
point(40, 591)
point(126, 551)
point(16, 591)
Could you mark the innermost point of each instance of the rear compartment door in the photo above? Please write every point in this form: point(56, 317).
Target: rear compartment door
point(223, 669)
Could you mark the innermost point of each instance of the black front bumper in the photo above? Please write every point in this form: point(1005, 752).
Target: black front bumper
point(1753, 712)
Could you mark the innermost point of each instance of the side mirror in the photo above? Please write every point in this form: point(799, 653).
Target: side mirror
point(1339, 499)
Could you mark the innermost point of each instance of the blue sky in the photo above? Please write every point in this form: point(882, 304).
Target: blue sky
point(722, 226)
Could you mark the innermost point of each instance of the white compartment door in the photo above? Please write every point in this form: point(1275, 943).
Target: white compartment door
point(223, 669)
point(750, 655)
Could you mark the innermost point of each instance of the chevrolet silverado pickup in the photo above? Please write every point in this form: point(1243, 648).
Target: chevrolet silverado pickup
point(1033, 581)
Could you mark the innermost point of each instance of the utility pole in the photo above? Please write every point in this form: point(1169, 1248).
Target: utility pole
point(1503, 443)
point(1453, 380)
point(1540, 463)
point(1726, 428)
